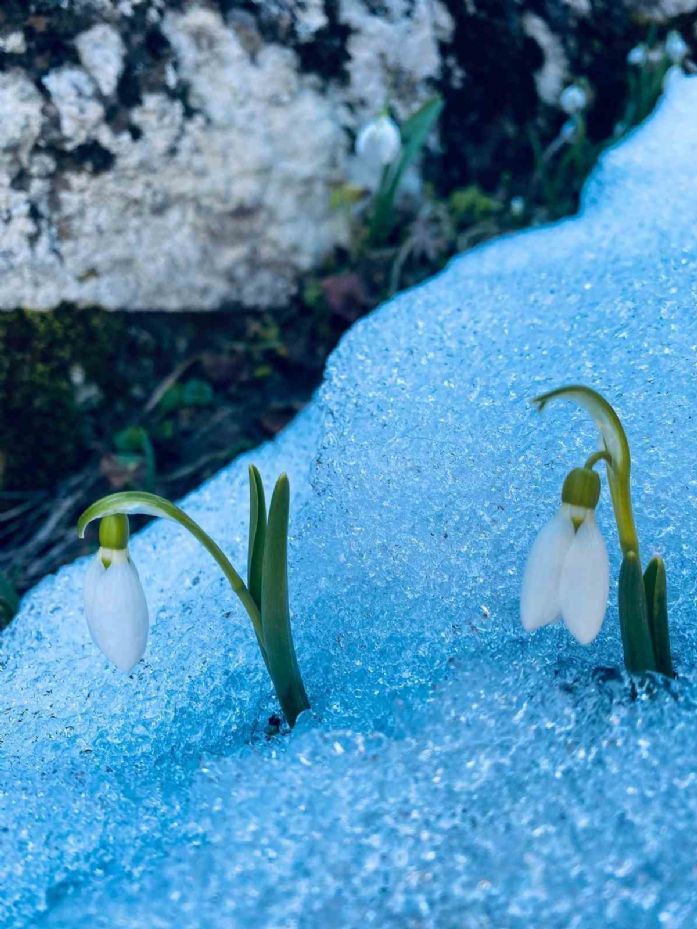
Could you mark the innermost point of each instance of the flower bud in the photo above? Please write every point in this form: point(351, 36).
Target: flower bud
point(379, 140)
point(573, 99)
point(638, 56)
point(581, 488)
point(114, 532)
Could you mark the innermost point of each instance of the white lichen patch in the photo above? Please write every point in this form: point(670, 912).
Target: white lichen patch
point(394, 54)
point(20, 120)
point(101, 52)
point(175, 157)
point(550, 78)
point(13, 43)
point(73, 93)
point(214, 189)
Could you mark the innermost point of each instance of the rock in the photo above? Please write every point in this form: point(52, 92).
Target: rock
point(455, 764)
point(182, 155)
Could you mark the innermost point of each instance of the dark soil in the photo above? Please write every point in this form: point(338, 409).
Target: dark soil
point(94, 402)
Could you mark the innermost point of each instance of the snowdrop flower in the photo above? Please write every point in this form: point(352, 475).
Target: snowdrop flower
point(573, 99)
point(115, 606)
point(567, 574)
point(638, 56)
point(676, 47)
point(379, 140)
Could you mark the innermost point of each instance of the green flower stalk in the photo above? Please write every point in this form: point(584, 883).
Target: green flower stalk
point(264, 596)
point(575, 574)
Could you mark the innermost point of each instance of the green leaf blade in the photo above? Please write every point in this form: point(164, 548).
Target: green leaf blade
point(657, 605)
point(275, 610)
point(257, 534)
point(634, 620)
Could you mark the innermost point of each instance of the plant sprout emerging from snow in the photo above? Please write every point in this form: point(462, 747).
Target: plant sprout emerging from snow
point(567, 572)
point(115, 605)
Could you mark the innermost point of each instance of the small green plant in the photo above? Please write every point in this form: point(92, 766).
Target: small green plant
point(194, 392)
point(648, 64)
point(399, 147)
point(134, 448)
point(470, 205)
point(567, 573)
point(115, 605)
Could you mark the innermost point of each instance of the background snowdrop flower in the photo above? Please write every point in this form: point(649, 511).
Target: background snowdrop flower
point(573, 99)
point(676, 47)
point(567, 574)
point(379, 140)
point(638, 56)
point(115, 605)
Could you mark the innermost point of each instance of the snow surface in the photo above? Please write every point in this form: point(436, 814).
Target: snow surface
point(455, 773)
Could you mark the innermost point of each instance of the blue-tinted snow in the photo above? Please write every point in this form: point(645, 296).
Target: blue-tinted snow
point(457, 773)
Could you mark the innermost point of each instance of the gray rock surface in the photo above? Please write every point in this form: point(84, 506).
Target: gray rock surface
point(181, 155)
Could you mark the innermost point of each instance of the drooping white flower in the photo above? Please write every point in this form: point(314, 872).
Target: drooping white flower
point(573, 99)
point(638, 56)
point(567, 574)
point(379, 140)
point(676, 47)
point(115, 608)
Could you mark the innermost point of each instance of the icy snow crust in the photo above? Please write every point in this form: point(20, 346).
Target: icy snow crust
point(456, 773)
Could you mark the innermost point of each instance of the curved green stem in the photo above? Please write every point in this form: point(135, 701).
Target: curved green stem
point(593, 459)
point(146, 504)
point(616, 453)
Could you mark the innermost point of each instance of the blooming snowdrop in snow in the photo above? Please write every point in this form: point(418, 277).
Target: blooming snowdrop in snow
point(567, 574)
point(379, 140)
point(115, 605)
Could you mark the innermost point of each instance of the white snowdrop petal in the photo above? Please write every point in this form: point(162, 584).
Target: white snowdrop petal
point(93, 577)
point(117, 615)
point(585, 583)
point(539, 597)
point(379, 140)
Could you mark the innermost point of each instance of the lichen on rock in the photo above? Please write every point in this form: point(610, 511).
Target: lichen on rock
point(181, 155)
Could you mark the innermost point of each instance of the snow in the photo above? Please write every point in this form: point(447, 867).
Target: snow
point(455, 771)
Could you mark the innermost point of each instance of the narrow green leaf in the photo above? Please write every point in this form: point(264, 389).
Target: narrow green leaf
point(634, 620)
point(414, 131)
point(657, 605)
point(257, 534)
point(275, 611)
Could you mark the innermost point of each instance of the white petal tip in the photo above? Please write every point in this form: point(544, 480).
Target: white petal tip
point(586, 637)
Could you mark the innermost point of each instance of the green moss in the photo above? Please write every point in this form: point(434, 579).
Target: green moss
point(51, 366)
